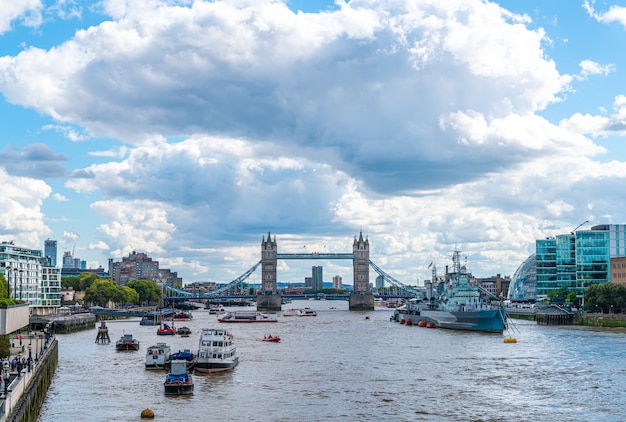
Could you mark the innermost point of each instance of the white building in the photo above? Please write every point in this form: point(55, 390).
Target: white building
point(31, 278)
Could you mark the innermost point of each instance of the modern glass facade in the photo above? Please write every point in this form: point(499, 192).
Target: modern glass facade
point(523, 287)
point(546, 266)
point(593, 256)
point(566, 261)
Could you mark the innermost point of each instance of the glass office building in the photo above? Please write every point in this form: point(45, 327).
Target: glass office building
point(546, 266)
point(523, 287)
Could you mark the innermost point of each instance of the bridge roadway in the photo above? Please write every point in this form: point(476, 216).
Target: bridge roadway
point(345, 296)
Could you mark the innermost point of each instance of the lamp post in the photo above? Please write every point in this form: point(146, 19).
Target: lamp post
point(29, 356)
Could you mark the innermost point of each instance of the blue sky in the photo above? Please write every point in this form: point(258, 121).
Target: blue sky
point(188, 130)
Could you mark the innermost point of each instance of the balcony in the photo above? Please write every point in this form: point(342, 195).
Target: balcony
point(13, 317)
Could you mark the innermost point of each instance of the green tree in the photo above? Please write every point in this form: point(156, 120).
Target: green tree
point(72, 281)
point(125, 295)
point(148, 291)
point(5, 345)
point(100, 292)
point(86, 280)
point(604, 297)
point(3, 289)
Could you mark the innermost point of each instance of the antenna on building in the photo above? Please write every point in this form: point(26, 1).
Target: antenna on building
point(577, 227)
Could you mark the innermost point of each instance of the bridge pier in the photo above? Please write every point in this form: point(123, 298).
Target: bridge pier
point(361, 302)
point(268, 302)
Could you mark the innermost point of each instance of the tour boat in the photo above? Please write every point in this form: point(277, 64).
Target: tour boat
point(290, 312)
point(127, 343)
point(216, 351)
point(306, 312)
point(247, 317)
point(179, 381)
point(157, 355)
point(182, 316)
point(272, 339)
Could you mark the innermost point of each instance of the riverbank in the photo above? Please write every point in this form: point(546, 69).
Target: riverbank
point(580, 318)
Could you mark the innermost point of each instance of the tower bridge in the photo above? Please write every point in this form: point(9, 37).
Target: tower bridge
point(268, 297)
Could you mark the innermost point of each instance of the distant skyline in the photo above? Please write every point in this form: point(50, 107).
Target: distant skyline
point(188, 130)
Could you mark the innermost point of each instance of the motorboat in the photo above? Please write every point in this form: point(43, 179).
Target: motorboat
point(179, 381)
point(127, 343)
point(271, 339)
point(157, 355)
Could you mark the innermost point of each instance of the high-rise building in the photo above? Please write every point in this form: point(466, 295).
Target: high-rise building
point(380, 282)
point(337, 282)
point(317, 278)
point(50, 250)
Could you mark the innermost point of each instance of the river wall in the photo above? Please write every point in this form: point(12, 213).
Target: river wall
point(28, 391)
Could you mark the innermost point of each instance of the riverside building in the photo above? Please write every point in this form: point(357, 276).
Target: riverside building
point(573, 260)
point(31, 277)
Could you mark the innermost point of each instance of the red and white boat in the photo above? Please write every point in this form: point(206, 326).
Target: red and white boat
point(306, 312)
point(272, 339)
point(244, 316)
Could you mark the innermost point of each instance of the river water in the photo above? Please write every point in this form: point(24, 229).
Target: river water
point(342, 365)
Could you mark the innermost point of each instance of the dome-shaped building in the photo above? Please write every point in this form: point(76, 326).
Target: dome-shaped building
point(523, 287)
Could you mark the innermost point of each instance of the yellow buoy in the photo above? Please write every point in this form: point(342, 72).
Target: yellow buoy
point(147, 414)
point(510, 340)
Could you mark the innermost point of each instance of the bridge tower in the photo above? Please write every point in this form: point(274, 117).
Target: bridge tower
point(268, 298)
point(361, 298)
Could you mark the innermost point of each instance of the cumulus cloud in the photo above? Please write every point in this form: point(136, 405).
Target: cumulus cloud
point(418, 122)
point(26, 11)
point(22, 219)
point(367, 83)
point(34, 160)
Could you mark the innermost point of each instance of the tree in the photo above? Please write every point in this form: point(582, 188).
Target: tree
point(3, 289)
point(604, 297)
point(72, 281)
point(124, 295)
point(100, 292)
point(86, 280)
point(148, 291)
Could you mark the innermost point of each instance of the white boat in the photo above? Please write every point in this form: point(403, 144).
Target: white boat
point(245, 316)
point(216, 351)
point(290, 312)
point(157, 355)
point(306, 312)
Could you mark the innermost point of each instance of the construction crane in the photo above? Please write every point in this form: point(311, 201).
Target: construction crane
point(578, 226)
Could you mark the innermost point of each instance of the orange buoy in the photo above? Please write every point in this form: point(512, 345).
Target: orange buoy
point(402, 321)
point(430, 325)
point(422, 323)
point(409, 322)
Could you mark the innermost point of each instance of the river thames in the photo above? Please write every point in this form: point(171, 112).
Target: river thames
point(342, 365)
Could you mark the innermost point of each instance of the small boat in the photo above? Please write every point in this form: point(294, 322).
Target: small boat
point(216, 351)
point(247, 317)
point(272, 339)
point(216, 311)
point(166, 330)
point(184, 331)
point(157, 355)
point(290, 312)
point(179, 381)
point(127, 343)
point(306, 312)
point(182, 316)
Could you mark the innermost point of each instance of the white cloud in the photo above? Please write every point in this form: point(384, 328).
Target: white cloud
point(22, 219)
point(28, 11)
point(614, 14)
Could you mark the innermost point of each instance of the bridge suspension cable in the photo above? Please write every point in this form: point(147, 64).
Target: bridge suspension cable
point(406, 289)
point(236, 282)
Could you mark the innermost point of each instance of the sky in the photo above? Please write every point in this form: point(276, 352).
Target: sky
point(188, 130)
